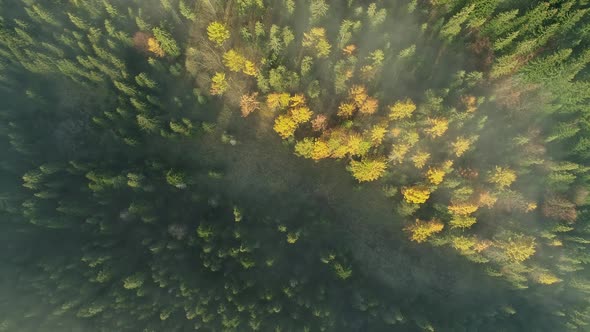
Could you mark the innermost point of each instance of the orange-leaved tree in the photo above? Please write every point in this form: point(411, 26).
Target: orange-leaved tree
point(249, 103)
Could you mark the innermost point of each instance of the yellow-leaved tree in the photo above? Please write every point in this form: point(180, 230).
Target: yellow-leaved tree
point(368, 169)
point(378, 134)
point(398, 153)
point(463, 208)
point(517, 247)
point(437, 127)
point(217, 33)
point(301, 114)
point(435, 175)
point(402, 109)
point(320, 150)
point(346, 110)
point(218, 84)
point(233, 60)
point(420, 231)
point(249, 68)
point(356, 146)
point(154, 46)
point(462, 222)
point(420, 159)
point(416, 194)
point(316, 40)
point(545, 278)
point(277, 100)
point(358, 94)
point(502, 177)
point(297, 100)
point(460, 146)
point(285, 126)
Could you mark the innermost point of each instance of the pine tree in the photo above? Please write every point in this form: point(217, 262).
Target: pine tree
point(166, 41)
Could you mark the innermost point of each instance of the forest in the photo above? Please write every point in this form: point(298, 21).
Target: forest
point(294, 165)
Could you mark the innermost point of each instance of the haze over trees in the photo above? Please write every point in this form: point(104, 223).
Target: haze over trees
point(294, 165)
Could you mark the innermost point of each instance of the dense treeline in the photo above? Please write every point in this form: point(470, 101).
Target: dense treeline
point(143, 188)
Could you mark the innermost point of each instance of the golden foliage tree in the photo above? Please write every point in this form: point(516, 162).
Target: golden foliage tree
point(518, 247)
point(368, 169)
point(316, 40)
point(420, 159)
point(358, 100)
point(217, 33)
point(398, 153)
point(356, 146)
point(249, 68)
point(234, 61)
point(435, 175)
point(320, 150)
point(218, 84)
point(437, 127)
point(338, 144)
point(285, 126)
point(358, 94)
point(462, 222)
point(460, 146)
point(416, 194)
point(545, 278)
point(277, 100)
point(346, 110)
point(377, 134)
point(502, 177)
point(297, 100)
point(463, 208)
point(301, 114)
point(470, 103)
point(154, 46)
point(420, 231)
point(402, 109)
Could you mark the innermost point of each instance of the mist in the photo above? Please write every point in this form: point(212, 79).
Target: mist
point(213, 165)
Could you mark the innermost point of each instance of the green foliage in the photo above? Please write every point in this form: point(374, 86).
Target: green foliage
point(166, 41)
point(187, 11)
point(316, 40)
point(131, 201)
point(176, 179)
point(318, 9)
point(281, 79)
point(134, 281)
point(341, 271)
point(453, 26)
